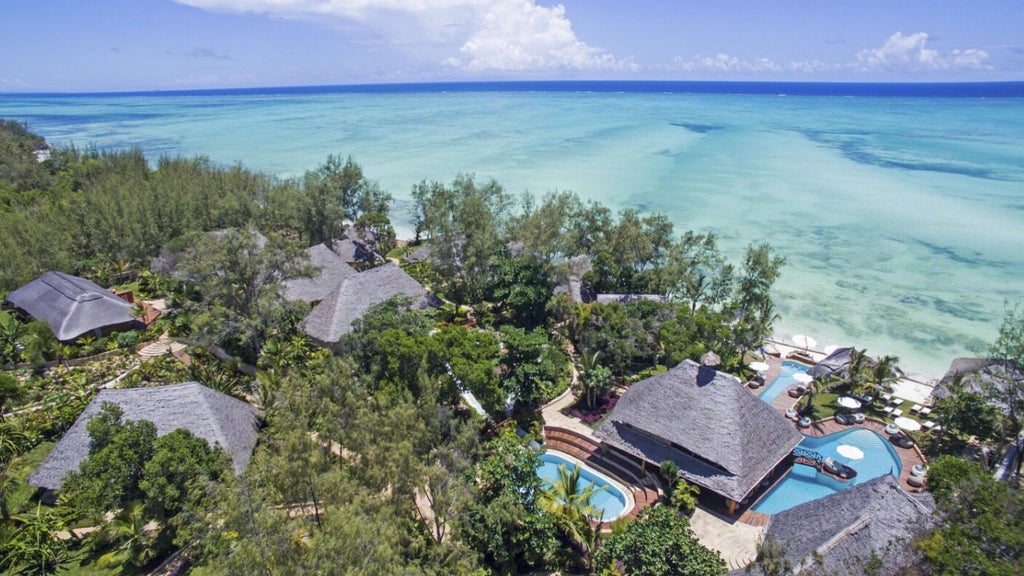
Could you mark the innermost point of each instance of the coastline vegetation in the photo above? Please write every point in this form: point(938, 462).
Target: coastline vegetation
point(367, 461)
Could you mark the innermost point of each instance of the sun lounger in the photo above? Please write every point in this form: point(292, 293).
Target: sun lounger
point(915, 408)
point(928, 425)
point(888, 409)
point(887, 397)
point(897, 401)
point(897, 413)
point(925, 411)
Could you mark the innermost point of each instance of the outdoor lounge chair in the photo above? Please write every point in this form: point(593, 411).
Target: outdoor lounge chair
point(897, 413)
point(928, 425)
point(888, 409)
point(915, 408)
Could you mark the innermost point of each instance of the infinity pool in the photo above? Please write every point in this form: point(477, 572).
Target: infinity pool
point(804, 483)
point(782, 381)
point(612, 502)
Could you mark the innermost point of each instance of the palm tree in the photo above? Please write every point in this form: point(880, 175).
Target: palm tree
point(35, 545)
point(885, 372)
point(570, 503)
point(127, 532)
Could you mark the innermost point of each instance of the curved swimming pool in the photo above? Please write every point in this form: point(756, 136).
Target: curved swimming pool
point(612, 502)
point(782, 381)
point(804, 483)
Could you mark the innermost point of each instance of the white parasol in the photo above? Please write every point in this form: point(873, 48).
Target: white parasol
point(847, 402)
point(851, 452)
point(758, 366)
point(908, 424)
point(804, 342)
point(802, 377)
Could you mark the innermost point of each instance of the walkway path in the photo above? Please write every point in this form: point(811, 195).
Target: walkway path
point(735, 541)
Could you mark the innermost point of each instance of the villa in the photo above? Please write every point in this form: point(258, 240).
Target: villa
point(841, 533)
point(72, 306)
point(355, 295)
point(724, 439)
point(331, 271)
point(218, 418)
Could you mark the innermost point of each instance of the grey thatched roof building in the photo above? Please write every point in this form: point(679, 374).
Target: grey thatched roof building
point(722, 437)
point(355, 252)
point(838, 362)
point(331, 270)
point(356, 294)
point(980, 375)
point(220, 419)
point(844, 530)
point(72, 306)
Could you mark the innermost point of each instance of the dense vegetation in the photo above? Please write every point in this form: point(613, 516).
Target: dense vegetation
point(367, 461)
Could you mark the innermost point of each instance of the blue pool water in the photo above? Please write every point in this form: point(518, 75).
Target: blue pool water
point(782, 381)
point(804, 483)
point(611, 501)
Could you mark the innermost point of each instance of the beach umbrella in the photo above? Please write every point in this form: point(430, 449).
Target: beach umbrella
point(908, 424)
point(758, 366)
point(802, 377)
point(710, 359)
point(850, 452)
point(847, 402)
point(804, 342)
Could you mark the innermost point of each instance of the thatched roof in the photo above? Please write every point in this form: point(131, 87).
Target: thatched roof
point(355, 251)
point(331, 270)
point(846, 528)
point(71, 306)
point(356, 294)
point(838, 362)
point(220, 419)
point(979, 375)
point(722, 437)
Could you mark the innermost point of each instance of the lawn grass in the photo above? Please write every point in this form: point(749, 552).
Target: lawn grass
point(20, 497)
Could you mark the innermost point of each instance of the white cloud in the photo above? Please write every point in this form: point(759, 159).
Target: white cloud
point(908, 53)
point(729, 63)
point(475, 35)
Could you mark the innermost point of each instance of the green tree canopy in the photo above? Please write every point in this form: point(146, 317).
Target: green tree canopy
point(658, 543)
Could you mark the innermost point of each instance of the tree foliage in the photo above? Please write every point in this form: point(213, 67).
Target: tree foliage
point(658, 543)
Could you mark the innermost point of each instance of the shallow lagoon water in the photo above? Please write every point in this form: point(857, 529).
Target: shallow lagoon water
point(901, 218)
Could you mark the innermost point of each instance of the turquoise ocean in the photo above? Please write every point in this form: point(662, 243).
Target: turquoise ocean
point(899, 208)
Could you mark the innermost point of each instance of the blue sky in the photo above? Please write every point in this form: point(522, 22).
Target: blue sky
point(114, 45)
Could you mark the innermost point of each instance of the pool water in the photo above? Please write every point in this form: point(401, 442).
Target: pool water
point(611, 501)
point(804, 483)
point(782, 381)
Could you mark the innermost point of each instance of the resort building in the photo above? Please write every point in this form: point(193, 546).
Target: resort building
point(331, 270)
point(854, 530)
point(72, 306)
point(218, 418)
point(350, 300)
point(724, 439)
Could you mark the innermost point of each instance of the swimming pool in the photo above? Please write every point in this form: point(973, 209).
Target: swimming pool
point(782, 381)
point(612, 502)
point(804, 483)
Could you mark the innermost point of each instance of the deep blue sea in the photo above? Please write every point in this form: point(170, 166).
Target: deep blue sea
point(899, 207)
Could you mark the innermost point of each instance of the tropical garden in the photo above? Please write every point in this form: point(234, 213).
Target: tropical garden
point(368, 460)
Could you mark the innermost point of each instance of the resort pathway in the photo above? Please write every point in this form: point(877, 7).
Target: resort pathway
point(553, 416)
point(735, 541)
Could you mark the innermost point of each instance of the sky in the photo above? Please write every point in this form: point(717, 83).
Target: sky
point(127, 45)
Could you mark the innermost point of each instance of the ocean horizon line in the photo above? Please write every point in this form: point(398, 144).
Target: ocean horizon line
point(994, 89)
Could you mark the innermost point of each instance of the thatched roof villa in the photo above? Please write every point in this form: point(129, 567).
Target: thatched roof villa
point(218, 418)
point(331, 270)
point(842, 533)
point(356, 294)
point(723, 438)
point(72, 306)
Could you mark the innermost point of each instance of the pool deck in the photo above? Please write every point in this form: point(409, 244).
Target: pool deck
point(909, 457)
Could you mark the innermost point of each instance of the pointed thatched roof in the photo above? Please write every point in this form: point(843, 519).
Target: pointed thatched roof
point(220, 419)
point(838, 362)
point(846, 528)
point(356, 294)
point(331, 270)
point(355, 251)
point(70, 305)
point(722, 437)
